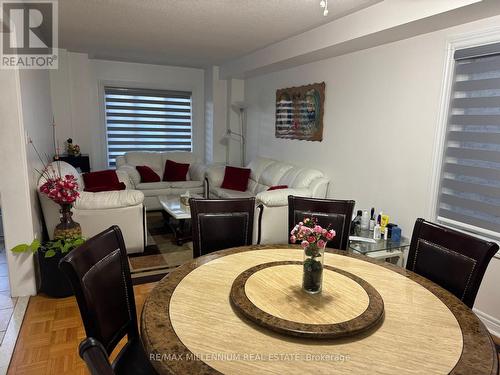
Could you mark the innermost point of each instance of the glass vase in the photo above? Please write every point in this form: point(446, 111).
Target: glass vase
point(313, 268)
point(67, 228)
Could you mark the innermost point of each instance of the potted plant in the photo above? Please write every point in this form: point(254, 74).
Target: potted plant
point(51, 280)
point(313, 239)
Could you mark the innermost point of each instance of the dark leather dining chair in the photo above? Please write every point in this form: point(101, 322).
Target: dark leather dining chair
point(95, 356)
point(454, 260)
point(100, 276)
point(336, 214)
point(221, 223)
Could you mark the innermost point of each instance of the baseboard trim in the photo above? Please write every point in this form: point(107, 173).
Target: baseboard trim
point(493, 324)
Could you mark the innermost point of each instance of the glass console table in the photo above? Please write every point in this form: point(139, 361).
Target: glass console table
point(391, 251)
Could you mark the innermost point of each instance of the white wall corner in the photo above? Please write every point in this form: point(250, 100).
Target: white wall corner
point(490, 322)
point(17, 212)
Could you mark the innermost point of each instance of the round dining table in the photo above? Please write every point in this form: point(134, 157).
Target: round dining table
point(191, 325)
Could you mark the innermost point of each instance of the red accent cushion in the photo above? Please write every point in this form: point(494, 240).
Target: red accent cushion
point(277, 187)
point(99, 179)
point(236, 178)
point(175, 171)
point(147, 174)
point(97, 189)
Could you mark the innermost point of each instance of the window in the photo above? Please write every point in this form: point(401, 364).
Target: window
point(469, 195)
point(147, 120)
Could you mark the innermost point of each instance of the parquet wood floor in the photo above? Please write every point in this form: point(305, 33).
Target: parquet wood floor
point(50, 334)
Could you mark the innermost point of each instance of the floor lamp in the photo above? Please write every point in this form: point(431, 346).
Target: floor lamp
point(238, 107)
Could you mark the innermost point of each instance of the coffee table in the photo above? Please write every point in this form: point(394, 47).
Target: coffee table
point(173, 208)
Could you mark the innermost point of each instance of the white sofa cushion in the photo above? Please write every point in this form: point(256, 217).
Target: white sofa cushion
point(108, 199)
point(300, 177)
point(197, 171)
point(227, 193)
point(185, 184)
point(257, 166)
point(215, 176)
point(132, 173)
point(155, 193)
point(179, 157)
point(125, 178)
point(276, 198)
point(153, 185)
point(151, 159)
point(169, 184)
point(272, 175)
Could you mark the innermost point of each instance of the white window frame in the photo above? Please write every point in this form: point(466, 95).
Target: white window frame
point(468, 40)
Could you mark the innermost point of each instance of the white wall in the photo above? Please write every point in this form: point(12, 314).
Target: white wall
point(77, 98)
point(25, 110)
point(37, 121)
point(381, 114)
point(215, 116)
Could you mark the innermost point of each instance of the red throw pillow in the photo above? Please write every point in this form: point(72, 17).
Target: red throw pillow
point(147, 174)
point(100, 179)
point(236, 178)
point(175, 171)
point(97, 189)
point(277, 187)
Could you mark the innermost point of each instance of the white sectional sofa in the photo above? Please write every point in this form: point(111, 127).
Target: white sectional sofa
point(265, 173)
point(98, 211)
point(156, 161)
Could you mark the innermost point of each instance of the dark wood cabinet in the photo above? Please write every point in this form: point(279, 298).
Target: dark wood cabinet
point(81, 161)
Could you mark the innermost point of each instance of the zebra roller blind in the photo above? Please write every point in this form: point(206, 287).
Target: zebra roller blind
point(470, 177)
point(147, 120)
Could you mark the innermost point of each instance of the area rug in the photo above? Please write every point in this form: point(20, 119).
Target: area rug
point(161, 254)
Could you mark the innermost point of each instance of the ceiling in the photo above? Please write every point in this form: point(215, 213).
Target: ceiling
point(195, 33)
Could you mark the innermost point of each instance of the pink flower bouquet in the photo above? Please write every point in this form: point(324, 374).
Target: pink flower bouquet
point(62, 190)
point(313, 239)
point(310, 234)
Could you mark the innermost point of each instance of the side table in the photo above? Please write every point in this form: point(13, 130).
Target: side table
point(391, 251)
point(81, 161)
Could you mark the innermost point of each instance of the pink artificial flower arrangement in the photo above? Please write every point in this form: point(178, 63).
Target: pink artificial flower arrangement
point(62, 190)
point(310, 234)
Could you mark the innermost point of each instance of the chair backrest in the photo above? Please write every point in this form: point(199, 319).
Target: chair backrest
point(454, 260)
point(221, 223)
point(100, 276)
point(336, 214)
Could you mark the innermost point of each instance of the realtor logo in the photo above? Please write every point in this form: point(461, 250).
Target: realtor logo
point(29, 34)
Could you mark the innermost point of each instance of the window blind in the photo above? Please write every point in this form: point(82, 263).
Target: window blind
point(470, 178)
point(147, 120)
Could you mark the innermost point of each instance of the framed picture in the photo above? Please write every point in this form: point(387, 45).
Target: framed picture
point(299, 112)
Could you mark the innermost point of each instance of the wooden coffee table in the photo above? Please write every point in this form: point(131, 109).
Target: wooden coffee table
point(173, 208)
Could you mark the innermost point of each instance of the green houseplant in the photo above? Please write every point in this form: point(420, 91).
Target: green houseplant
point(51, 281)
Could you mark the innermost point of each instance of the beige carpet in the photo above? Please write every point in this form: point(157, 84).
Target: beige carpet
point(161, 254)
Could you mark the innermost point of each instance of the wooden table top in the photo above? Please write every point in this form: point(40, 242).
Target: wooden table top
point(189, 326)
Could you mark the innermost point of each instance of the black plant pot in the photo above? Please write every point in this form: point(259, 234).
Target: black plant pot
point(52, 281)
